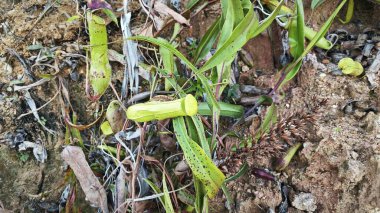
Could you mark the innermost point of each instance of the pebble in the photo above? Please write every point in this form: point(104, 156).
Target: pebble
point(367, 49)
point(5, 68)
point(362, 38)
point(347, 45)
point(325, 61)
point(245, 68)
point(336, 57)
point(305, 202)
point(253, 90)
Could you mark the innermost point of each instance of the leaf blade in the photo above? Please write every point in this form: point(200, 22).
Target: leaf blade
point(201, 165)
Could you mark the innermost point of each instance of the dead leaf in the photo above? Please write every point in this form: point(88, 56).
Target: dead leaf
point(120, 191)
point(165, 10)
point(91, 186)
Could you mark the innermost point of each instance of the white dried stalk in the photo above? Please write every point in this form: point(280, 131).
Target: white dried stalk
point(130, 53)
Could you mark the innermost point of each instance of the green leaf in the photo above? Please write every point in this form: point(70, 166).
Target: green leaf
point(247, 29)
point(168, 203)
point(168, 61)
point(316, 3)
point(156, 190)
point(106, 128)
point(207, 41)
point(226, 109)
point(211, 98)
point(270, 118)
point(201, 135)
point(111, 15)
point(282, 163)
point(229, 198)
point(73, 18)
point(201, 165)
point(75, 132)
point(243, 169)
point(192, 3)
point(234, 15)
point(296, 38)
point(268, 21)
point(296, 32)
point(238, 38)
point(349, 13)
point(290, 70)
point(200, 195)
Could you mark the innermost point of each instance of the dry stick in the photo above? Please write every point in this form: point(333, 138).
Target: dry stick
point(23, 63)
point(184, 14)
point(32, 111)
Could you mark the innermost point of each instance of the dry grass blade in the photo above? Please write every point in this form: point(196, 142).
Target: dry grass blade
point(130, 53)
point(91, 186)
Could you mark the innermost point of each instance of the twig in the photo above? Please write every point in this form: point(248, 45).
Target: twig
point(24, 64)
point(33, 111)
point(27, 87)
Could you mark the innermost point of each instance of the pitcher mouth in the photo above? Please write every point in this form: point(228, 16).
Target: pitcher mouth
point(191, 105)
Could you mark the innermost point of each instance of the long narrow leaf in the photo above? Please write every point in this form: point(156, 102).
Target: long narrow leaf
point(201, 165)
point(236, 41)
point(297, 38)
point(270, 118)
point(207, 41)
point(349, 13)
point(201, 135)
point(211, 98)
point(311, 44)
point(268, 21)
point(316, 3)
point(168, 61)
point(168, 203)
point(156, 190)
point(248, 28)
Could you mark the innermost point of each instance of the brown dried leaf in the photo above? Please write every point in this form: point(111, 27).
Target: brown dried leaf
point(163, 9)
point(120, 191)
point(91, 186)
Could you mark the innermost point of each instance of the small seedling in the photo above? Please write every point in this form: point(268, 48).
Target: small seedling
point(23, 157)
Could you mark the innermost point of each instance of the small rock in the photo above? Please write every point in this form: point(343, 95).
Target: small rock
point(347, 45)
point(305, 202)
point(336, 57)
point(5, 70)
point(367, 49)
point(361, 39)
point(325, 61)
point(253, 90)
point(356, 171)
point(245, 69)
